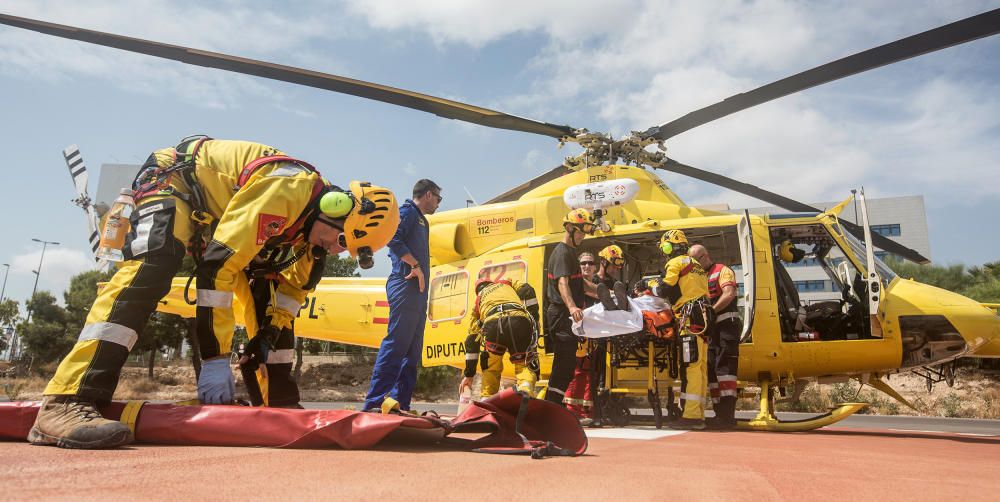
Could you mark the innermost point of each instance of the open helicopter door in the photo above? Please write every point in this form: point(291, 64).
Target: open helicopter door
point(749, 274)
point(873, 283)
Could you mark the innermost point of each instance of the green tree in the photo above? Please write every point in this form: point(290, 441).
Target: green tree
point(341, 267)
point(987, 291)
point(951, 277)
point(8, 317)
point(46, 337)
point(80, 297)
point(980, 283)
point(162, 330)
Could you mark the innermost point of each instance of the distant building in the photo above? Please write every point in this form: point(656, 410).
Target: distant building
point(902, 219)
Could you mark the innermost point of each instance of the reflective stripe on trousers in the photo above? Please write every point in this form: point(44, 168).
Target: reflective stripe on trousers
point(282, 356)
point(109, 332)
point(287, 303)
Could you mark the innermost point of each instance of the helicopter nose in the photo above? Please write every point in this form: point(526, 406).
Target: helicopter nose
point(987, 344)
point(937, 325)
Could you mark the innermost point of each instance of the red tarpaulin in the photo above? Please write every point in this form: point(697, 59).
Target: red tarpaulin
point(209, 425)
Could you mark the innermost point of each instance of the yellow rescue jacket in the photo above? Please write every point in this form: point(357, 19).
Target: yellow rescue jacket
point(247, 218)
point(685, 281)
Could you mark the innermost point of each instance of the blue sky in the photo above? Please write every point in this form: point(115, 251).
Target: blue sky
point(926, 126)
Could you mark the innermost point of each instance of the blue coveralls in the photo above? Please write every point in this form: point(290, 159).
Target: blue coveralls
point(395, 370)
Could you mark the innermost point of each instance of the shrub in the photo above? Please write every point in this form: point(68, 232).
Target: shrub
point(436, 380)
point(951, 405)
point(13, 389)
point(843, 393)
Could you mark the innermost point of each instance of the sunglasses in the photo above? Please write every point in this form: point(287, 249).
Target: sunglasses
point(586, 264)
point(438, 197)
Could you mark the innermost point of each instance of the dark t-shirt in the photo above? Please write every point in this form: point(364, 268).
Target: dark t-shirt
point(563, 263)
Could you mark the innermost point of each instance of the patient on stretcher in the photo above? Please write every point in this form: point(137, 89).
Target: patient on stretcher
point(606, 318)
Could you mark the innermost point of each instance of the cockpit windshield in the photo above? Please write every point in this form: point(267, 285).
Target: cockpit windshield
point(858, 247)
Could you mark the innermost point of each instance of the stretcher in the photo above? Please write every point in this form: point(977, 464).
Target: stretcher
point(643, 356)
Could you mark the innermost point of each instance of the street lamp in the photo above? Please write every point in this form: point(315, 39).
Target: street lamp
point(5, 274)
point(38, 273)
point(3, 333)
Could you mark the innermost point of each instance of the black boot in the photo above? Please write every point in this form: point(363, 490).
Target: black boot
point(727, 412)
point(621, 296)
point(604, 295)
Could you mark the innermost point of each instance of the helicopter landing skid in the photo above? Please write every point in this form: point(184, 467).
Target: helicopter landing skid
point(767, 421)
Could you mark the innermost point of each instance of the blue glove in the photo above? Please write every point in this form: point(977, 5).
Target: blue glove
point(216, 384)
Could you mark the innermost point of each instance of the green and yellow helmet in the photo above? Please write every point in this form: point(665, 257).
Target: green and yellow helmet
point(672, 240)
point(370, 214)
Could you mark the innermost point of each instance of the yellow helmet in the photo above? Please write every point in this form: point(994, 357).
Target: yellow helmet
point(372, 221)
point(672, 239)
point(789, 253)
point(613, 255)
point(581, 219)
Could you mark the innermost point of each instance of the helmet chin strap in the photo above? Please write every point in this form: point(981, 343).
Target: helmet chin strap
point(330, 223)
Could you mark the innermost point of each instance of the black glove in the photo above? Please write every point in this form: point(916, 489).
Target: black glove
point(262, 343)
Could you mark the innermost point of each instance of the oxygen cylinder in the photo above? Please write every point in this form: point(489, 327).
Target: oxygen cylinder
point(116, 227)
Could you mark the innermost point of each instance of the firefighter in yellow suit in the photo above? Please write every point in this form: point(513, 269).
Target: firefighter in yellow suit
point(685, 286)
point(505, 320)
point(264, 216)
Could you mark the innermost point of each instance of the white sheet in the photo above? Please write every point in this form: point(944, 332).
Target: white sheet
point(600, 323)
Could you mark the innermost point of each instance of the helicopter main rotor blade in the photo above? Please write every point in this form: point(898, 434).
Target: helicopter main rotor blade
point(880, 241)
point(438, 106)
point(959, 32)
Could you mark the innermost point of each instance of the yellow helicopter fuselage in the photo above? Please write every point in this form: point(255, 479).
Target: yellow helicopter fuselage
point(512, 239)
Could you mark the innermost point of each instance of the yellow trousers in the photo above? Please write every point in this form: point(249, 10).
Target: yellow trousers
point(694, 383)
point(494, 368)
point(162, 228)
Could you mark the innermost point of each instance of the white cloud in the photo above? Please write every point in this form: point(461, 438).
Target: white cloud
point(923, 126)
point(410, 169)
point(479, 23)
point(531, 159)
point(679, 56)
point(228, 28)
point(58, 267)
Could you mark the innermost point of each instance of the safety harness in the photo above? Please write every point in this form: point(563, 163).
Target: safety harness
point(498, 313)
point(155, 180)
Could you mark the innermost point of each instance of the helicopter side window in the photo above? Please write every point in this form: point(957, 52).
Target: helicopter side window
point(448, 297)
point(510, 271)
point(817, 286)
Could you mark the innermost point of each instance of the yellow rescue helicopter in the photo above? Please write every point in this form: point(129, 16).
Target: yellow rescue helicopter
point(883, 323)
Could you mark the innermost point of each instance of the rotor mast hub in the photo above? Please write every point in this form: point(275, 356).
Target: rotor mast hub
point(601, 148)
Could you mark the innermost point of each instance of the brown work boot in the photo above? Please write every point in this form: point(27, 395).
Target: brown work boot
point(72, 422)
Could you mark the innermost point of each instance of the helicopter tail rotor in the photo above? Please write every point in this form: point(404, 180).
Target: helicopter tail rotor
point(78, 171)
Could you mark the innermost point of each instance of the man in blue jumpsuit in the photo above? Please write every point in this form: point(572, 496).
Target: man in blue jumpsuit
point(395, 372)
